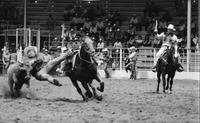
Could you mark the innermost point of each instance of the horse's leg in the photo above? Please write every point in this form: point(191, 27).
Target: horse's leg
point(171, 82)
point(94, 91)
point(74, 82)
point(101, 88)
point(168, 79)
point(88, 92)
point(134, 70)
point(158, 77)
point(164, 81)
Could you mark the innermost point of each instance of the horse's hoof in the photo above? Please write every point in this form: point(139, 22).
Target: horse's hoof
point(88, 94)
point(99, 98)
point(85, 99)
point(28, 96)
point(101, 88)
point(169, 92)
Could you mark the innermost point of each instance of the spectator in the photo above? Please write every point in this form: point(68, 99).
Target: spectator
point(182, 28)
point(46, 56)
point(93, 29)
point(6, 59)
point(100, 25)
point(139, 40)
point(51, 23)
point(195, 41)
point(193, 27)
point(117, 18)
point(87, 24)
point(147, 9)
point(75, 21)
point(118, 35)
point(147, 41)
point(167, 17)
point(100, 45)
point(117, 45)
point(134, 21)
point(109, 34)
point(162, 25)
point(131, 42)
point(66, 14)
point(72, 34)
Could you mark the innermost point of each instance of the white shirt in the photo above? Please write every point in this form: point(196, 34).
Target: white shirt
point(168, 40)
point(100, 45)
point(133, 56)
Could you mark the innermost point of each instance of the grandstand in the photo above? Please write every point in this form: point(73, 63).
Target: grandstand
point(38, 12)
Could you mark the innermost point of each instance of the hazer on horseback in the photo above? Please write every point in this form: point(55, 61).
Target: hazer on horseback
point(169, 39)
point(130, 62)
point(167, 66)
point(84, 69)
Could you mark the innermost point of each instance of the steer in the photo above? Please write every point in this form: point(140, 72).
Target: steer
point(18, 74)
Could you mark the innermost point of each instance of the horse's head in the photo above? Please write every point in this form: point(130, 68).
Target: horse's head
point(88, 46)
point(171, 54)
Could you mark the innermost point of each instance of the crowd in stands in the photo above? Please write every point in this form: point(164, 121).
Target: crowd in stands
point(105, 28)
point(15, 15)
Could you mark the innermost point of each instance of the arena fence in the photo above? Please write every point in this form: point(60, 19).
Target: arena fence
point(146, 58)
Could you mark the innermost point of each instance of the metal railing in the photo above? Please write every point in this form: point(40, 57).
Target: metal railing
point(146, 58)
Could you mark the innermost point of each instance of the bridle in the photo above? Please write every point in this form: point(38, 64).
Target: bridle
point(85, 60)
point(90, 62)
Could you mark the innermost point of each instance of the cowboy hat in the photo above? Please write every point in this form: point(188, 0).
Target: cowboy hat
point(132, 48)
point(105, 50)
point(171, 26)
point(27, 49)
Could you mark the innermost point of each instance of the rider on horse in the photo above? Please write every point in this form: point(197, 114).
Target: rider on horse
point(168, 40)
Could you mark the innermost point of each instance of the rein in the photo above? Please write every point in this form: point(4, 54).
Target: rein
point(90, 62)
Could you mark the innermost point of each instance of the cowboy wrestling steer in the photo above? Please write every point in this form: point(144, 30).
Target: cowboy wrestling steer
point(18, 75)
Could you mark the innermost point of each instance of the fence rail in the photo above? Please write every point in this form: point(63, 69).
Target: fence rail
point(146, 58)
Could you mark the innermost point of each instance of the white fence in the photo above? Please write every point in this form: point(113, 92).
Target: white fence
point(146, 57)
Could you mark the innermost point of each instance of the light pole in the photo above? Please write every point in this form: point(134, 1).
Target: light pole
point(188, 33)
point(25, 33)
point(199, 22)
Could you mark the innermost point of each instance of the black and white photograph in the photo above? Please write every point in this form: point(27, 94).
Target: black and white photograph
point(99, 61)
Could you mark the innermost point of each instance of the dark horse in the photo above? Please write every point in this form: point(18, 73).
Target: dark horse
point(167, 66)
point(84, 69)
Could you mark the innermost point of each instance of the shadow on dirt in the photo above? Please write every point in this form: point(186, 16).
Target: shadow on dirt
point(62, 100)
point(152, 92)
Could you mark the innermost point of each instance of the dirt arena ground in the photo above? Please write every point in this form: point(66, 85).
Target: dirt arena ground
point(124, 101)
